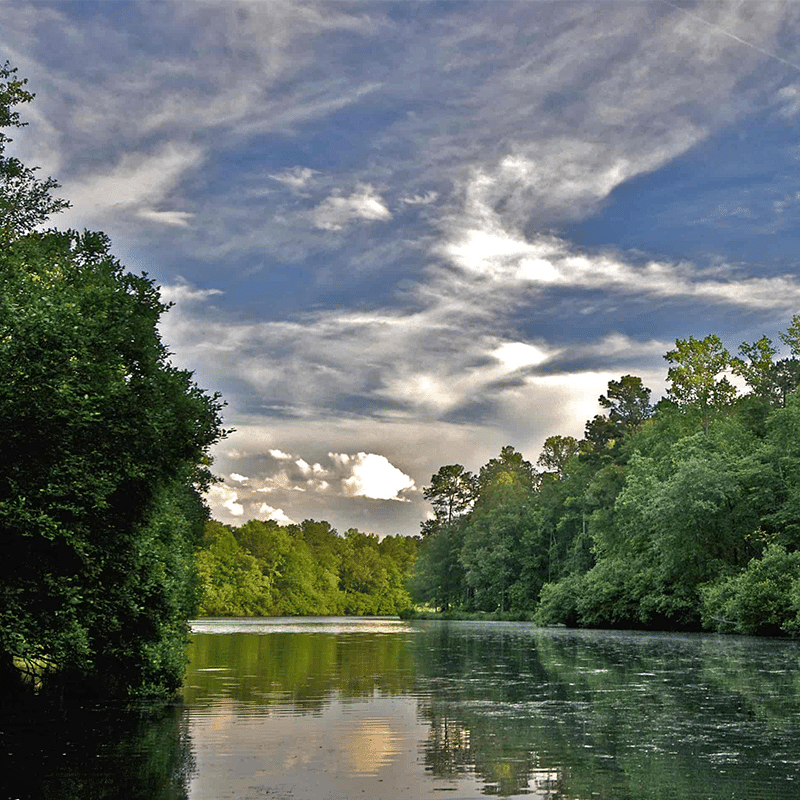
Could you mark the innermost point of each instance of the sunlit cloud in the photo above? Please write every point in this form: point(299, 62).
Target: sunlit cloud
point(338, 211)
point(372, 476)
point(267, 512)
point(222, 496)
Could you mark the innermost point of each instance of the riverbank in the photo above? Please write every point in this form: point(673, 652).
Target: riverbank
point(494, 616)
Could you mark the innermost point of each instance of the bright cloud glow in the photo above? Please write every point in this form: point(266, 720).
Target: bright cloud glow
point(373, 476)
point(515, 355)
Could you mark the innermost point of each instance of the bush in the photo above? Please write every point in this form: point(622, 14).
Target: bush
point(763, 599)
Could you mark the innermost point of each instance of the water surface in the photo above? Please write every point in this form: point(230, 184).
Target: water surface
point(325, 709)
point(335, 709)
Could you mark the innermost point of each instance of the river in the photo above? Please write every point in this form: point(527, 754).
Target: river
point(335, 709)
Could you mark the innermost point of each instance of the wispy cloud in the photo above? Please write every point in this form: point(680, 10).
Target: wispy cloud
point(296, 177)
point(338, 211)
point(417, 230)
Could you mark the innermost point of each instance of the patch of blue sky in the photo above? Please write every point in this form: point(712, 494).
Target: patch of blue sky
point(734, 196)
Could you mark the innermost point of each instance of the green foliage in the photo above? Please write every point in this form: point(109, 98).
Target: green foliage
point(763, 599)
point(106, 439)
point(105, 456)
point(695, 375)
point(452, 492)
point(264, 569)
point(658, 520)
point(438, 576)
point(627, 403)
point(556, 454)
point(25, 202)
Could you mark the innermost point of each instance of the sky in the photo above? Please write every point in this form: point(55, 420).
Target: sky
point(400, 235)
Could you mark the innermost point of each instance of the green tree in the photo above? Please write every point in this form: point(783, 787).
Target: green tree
point(557, 452)
point(513, 468)
point(695, 377)
point(438, 574)
point(25, 201)
point(105, 454)
point(627, 403)
point(103, 432)
point(452, 492)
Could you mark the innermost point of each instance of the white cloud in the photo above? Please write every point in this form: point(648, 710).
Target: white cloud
point(276, 514)
point(337, 211)
point(177, 219)
point(137, 183)
point(235, 476)
point(220, 496)
point(373, 476)
point(420, 199)
point(280, 455)
point(515, 355)
point(296, 177)
point(497, 261)
point(184, 292)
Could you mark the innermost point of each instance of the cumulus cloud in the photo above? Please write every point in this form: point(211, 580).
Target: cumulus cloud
point(275, 514)
point(370, 476)
point(338, 211)
point(373, 476)
point(222, 496)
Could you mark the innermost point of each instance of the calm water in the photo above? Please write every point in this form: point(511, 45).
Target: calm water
point(334, 709)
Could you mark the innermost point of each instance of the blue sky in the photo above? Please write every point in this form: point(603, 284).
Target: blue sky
point(402, 235)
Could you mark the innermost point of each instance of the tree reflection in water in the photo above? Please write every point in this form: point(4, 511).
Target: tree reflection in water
point(63, 752)
point(584, 714)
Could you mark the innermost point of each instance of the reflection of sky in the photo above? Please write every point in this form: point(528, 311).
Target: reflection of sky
point(349, 749)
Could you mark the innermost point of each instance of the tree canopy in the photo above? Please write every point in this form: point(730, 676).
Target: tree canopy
point(682, 516)
point(105, 456)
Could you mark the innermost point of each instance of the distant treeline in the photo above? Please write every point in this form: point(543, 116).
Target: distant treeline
point(265, 569)
point(685, 515)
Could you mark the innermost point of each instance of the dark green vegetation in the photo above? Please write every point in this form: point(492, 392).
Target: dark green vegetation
point(263, 569)
point(104, 458)
point(681, 516)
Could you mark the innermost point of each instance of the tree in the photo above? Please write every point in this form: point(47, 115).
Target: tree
point(791, 336)
point(695, 377)
point(509, 468)
point(105, 456)
point(102, 438)
point(771, 381)
point(25, 202)
point(438, 574)
point(452, 492)
point(556, 454)
point(627, 402)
